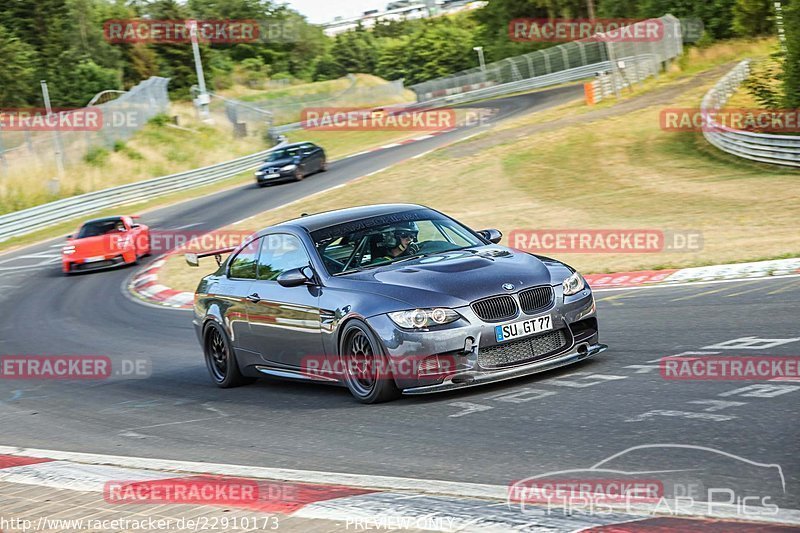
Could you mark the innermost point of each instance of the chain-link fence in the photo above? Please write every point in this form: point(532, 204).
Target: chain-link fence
point(121, 118)
point(256, 117)
point(643, 55)
point(289, 108)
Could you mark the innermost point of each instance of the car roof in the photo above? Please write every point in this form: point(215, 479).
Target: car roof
point(339, 216)
point(295, 145)
point(104, 219)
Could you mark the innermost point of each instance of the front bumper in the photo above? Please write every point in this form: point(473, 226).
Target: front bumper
point(263, 177)
point(470, 346)
point(475, 378)
point(81, 265)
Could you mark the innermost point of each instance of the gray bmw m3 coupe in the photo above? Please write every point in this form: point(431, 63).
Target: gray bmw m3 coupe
point(389, 299)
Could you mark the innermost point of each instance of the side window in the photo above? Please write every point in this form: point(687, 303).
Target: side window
point(455, 236)
point(280, 252)
point(243, 266)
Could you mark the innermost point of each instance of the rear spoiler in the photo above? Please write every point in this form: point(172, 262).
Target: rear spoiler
point(194, 259)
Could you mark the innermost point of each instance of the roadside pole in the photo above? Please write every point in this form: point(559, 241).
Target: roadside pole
point(55, 183)
point(203, 99)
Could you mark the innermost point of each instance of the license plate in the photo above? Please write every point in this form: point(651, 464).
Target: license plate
point(273, 175)
point(523, 328)
point(95, 259)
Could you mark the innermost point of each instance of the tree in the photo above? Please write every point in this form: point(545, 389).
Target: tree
point(18, 72)
point(75, 86)
point(753, 17)
point(440, 48)
point(791, 69)
point(392, 61)
point(176, 61)
point(254, 71)
point(328, 69)
point(355, 51)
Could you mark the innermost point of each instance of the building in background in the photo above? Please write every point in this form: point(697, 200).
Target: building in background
point(401, 10)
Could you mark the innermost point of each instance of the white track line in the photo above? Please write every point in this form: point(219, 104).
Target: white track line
point(415, 486)
point(693, 283)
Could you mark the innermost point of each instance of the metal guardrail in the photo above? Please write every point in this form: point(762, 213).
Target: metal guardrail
point(564, 76)
point(762, 147)
point(29, 220)
point(557, 78)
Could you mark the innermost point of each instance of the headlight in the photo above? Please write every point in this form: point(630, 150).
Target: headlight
point(424, 318)
point(573, 284)
point(67, 250)
point(289, 167)
point(259, 172)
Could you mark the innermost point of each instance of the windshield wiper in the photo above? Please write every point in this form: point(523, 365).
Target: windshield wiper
point(409, 258)
point(348, 271)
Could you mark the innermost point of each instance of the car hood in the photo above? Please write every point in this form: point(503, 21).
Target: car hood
point(454, 279)
point(101, 244)
point(277, 163)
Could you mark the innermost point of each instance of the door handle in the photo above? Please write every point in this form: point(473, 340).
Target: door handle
point(255, 298)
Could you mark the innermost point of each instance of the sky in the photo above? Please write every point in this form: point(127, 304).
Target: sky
point(319, 11)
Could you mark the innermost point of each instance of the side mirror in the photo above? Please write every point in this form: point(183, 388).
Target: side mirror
point(68, 236)
point(192, 260)
point(136, 226)
point(296, 277)
point(491, 235)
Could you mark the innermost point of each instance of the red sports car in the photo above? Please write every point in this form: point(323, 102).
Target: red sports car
point(105, 242)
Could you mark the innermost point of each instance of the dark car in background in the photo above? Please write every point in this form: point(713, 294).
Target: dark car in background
point(388, 299)
point(292, 162)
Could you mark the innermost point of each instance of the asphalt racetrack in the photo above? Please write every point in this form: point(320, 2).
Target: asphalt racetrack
point(572, 418)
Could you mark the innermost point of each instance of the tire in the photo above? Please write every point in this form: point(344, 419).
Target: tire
point(220, 359)
point(149, 247)
point(368, 385)
point(298, 174)
point(132, 259)
point(324, 166)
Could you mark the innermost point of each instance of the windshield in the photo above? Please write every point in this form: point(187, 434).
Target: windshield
point(284, 153)
point(101, 227)
point(389, 239)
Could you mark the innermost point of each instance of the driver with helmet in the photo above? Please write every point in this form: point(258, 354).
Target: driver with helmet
point(403, 240)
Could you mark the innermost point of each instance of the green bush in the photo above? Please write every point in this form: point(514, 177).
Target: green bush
point(791, 77)
point(96, 157)
point(159, 120)
point(764, 82)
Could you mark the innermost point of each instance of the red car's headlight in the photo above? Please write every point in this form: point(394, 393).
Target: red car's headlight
point(67, 250)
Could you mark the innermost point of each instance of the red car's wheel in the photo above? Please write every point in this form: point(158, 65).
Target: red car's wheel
point(147, 245)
